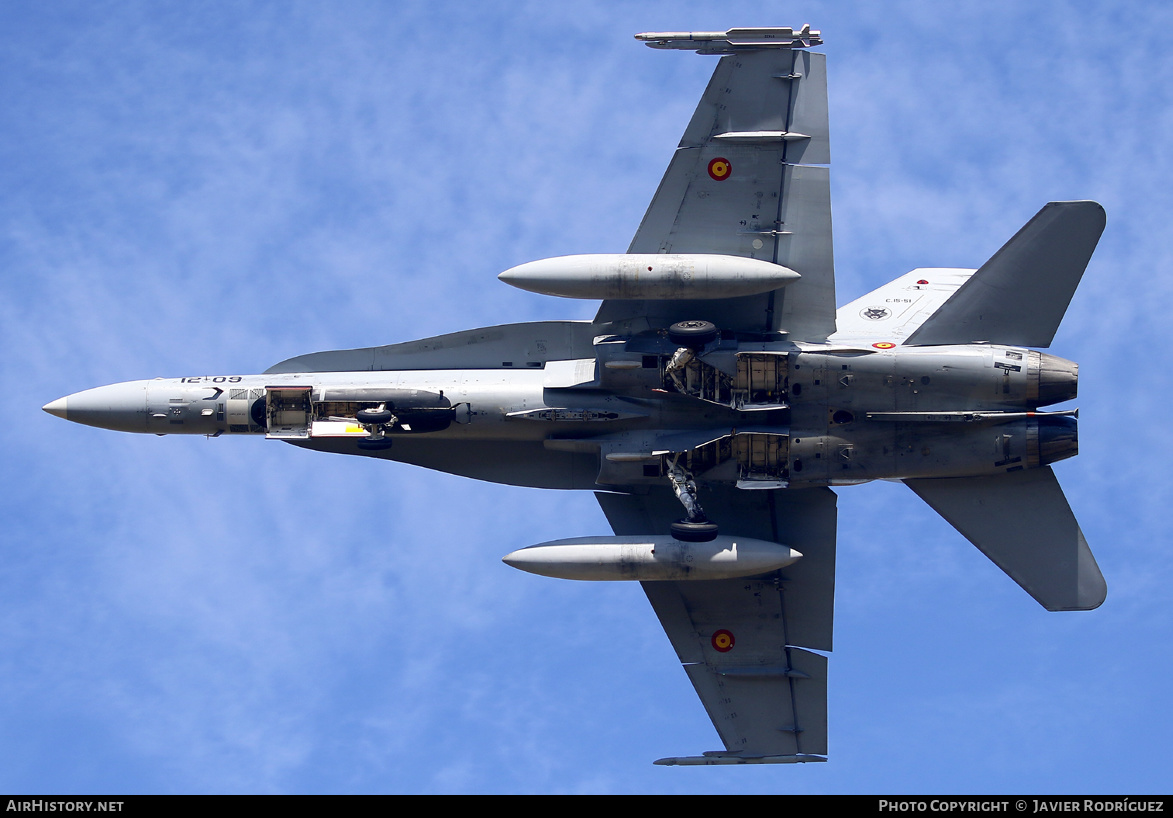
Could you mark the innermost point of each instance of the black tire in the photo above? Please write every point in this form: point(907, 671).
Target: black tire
point(368, 417)
point(377, 445)
point(692, 334)
point(687, 531)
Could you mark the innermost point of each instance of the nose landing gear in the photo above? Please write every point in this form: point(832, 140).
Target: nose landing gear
point(375, 422)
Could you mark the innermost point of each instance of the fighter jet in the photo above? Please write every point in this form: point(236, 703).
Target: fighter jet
point(718, 396)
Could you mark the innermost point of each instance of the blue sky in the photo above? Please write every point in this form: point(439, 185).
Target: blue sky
point(205, 190)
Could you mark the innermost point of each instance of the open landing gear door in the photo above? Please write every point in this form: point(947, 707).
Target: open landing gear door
point(759, 380)
point(287, 409)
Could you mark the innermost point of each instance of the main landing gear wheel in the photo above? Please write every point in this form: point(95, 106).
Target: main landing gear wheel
point(692, 334)
point(377, 444)
point(689, 531)
point(696, 526)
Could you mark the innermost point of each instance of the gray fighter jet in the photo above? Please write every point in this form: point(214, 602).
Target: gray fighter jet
point(718, 395)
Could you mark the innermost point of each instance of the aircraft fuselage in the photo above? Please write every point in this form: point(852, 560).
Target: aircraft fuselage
point(760, 415)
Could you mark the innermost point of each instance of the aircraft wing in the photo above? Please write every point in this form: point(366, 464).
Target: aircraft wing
point(750, 179)
point(747, 644)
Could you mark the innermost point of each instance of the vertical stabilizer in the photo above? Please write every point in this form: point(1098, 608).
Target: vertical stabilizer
point(1020, 295)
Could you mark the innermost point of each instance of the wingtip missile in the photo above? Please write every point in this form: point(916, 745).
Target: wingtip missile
point(733, 40)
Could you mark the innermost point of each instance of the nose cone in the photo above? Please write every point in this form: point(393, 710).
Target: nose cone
point(120, 406)
point(56, 408)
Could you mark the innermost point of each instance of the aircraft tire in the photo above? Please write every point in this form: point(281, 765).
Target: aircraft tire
point(376, 445)
point(692, 334)
point(368, 417)
point(687, 531)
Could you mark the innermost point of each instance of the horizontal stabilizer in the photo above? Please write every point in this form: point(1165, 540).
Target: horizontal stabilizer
point(1020, 295)
point(1023, 523)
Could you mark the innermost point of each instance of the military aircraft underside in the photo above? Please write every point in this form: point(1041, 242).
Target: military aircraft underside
point(718, 395)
